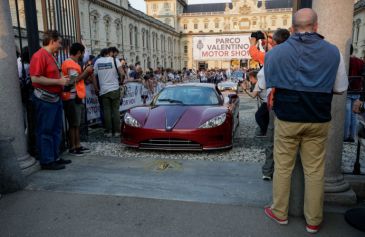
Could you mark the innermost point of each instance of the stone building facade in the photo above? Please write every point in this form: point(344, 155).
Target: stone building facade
point(139, 37)
point(235, 18)
point(164, 36)
point(358, 29)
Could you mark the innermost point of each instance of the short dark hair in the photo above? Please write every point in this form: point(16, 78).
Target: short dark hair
point(104, 52)
point(25, 55)
point(280, 35)
point(50, 35)
point(76, 47)
point(91, 57)
point(113, 50)
point(253, 73)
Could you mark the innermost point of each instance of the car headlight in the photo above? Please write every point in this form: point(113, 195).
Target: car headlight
point(214, 122)
point(220, 88)
point(234, 88)
point(129, 120)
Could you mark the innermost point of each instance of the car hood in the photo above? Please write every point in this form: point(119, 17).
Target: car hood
point(171, 117)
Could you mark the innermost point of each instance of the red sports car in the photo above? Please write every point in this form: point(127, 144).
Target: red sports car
point(192, 116)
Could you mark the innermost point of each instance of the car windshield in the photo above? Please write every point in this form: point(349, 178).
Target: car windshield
point(187, 95)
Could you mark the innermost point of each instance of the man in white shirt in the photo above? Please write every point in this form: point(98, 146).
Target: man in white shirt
point(108, 69)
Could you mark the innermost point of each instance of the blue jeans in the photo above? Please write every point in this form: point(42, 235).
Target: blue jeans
point(48, 129)
point(350, 117)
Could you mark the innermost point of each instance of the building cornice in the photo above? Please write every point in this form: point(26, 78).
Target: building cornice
point(219, 33)
point(136, 15)
point(182, 2)
point(223, 14)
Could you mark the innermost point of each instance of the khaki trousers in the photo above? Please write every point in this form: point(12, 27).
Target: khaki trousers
point(310, 139)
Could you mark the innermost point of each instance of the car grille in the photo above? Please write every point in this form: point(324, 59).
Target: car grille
point(170, 144)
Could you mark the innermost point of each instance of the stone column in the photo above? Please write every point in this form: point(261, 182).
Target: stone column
point(11, 116)
point(337, 30)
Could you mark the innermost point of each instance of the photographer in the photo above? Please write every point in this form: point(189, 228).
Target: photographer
point(266, 43)
point(268, 116)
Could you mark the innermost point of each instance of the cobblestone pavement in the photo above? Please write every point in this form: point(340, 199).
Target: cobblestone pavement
point(246, 148)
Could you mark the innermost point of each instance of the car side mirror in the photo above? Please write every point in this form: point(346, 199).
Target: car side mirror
point(232, 97)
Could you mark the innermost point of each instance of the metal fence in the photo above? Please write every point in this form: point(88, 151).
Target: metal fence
point(30, 19)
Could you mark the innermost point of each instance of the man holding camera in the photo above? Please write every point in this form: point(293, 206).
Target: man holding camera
point(73, 94)
point(266, 43)
point(304, 90)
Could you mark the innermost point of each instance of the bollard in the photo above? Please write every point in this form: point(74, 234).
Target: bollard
point(296, 201)
point(11, 177)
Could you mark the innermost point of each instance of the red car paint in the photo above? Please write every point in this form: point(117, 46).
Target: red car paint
point(176, 126)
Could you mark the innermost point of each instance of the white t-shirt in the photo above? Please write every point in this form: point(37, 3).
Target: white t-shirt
point(108, 77)
point(261, 85)
point(20, 68)
point(342, 82)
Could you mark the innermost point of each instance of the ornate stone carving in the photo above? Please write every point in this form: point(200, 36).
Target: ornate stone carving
point(245, 9)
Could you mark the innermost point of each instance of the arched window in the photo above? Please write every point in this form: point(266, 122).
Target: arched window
point(148, 39)
point(94, 16)
point(131, 35)
point(153, 40)
point(136, 36)
point(118, 30)
point(143, 39)
point(107, 21)
point(358, 22)
point(162, 43)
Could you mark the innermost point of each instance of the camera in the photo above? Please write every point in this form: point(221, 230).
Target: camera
point(258, 35)
point(147, 77)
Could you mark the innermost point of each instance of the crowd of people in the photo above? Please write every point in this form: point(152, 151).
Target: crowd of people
point(50, 88)
point(294, 112)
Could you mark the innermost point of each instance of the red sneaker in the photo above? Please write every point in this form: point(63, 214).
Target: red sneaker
point(312, 228)
point(271, 215)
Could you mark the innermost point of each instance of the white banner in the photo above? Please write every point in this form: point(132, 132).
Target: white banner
point(133, 97)
point(221, 47)
point(92, 103)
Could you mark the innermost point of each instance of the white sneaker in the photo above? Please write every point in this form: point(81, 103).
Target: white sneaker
point(109, 134)
point(266, 178)
point(117, 134)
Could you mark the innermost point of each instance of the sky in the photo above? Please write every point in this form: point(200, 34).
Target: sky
point(140, 4)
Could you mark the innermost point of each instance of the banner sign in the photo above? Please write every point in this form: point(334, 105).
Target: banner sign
point(134, 96)
point(135, 93)
point(221, 47)
point(92, 103)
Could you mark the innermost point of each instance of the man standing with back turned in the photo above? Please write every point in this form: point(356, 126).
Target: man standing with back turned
point(314, 70)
